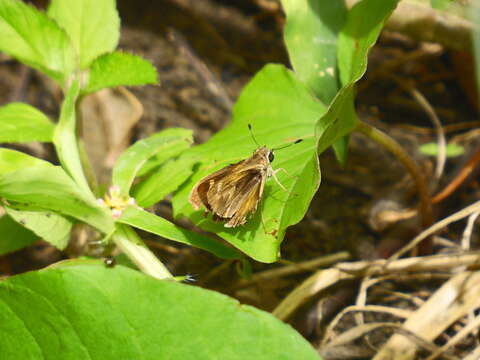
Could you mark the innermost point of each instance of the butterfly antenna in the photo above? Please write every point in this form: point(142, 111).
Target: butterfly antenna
point(253, 136)
point(288, 145)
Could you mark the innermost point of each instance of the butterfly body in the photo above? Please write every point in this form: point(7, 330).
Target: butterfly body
point(232, 193)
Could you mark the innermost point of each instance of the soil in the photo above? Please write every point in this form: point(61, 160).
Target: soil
point(233, 40)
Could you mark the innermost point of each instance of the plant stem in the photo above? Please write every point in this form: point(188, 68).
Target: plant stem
point(391, 145)
point(129, 242)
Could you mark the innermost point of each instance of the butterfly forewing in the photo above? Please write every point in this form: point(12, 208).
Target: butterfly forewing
point(232, 193)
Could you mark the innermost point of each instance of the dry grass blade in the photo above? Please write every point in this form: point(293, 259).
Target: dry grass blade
point(323, 279)
point(442, 143)
point(471, 326)
point(456, 298)
point(413, 264)
point(296, 268)
point(400, 313)
point(467, 233)
point(319, 281)
point(361, 330)
point(475, 207)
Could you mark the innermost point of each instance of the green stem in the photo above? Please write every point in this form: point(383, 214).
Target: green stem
point(129, 242)
point(411, 166)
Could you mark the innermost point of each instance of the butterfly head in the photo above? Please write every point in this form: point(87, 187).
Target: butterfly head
point(271, 156)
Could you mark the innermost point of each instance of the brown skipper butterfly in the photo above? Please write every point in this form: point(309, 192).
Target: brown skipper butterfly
point(232, 194)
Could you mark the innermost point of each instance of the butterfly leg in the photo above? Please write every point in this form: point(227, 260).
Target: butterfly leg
point(286, 172)
point(273, 173)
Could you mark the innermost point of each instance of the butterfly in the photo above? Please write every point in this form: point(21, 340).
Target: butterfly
point(232, 193)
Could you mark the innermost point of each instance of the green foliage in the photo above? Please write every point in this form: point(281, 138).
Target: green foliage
point(14, 236)
point(311, 33)
point(363, 25)
point(146, 221)
point(166, 143)
point(47, 225)
point(73, 36)
point(279, 105)
point(36, 40)
point(21, 122)
point(328, 47)
point(65, 138)
point(92, 25)
point(44, 186)
point(163, 180)
point(56, 309)
point(81, 310)
point(119, 68)
point(281, 110)
point(11, 160)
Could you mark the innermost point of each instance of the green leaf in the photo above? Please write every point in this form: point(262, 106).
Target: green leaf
point(47, 187)
point(47, 225)
point(93, 26)
point(154, 162)
point(281, 110)
point(21, 122)
point(14, 236)
point(84, 310)
point(65, 138)
point(338, 121)
point(364, 22)
point(157, 225)
point(132, 160)
point(30, 36)
point(310, 35)
point(12, 160)
point(340, 147)
point(431, 149)
point(120, 69)
point(163, 181)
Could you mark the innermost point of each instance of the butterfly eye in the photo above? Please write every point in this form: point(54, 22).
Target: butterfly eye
point(270, 156)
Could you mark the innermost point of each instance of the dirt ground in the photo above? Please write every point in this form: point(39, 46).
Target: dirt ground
point(233, 40)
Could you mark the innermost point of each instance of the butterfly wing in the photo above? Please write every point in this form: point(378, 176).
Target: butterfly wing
point(233, 192)
point(198, 195)
point(227, 197)
point(247, 202)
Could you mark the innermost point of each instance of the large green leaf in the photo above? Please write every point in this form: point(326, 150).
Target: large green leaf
point(120, 69)
point(84, 310)
point(39, 185)
point(310, 35)
point(164, 143)
point(33, 38)
point(281, 110)
point(14, 236)
point(47, 225)
point(21, 122)
point(93, 26)
point(146, 221)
